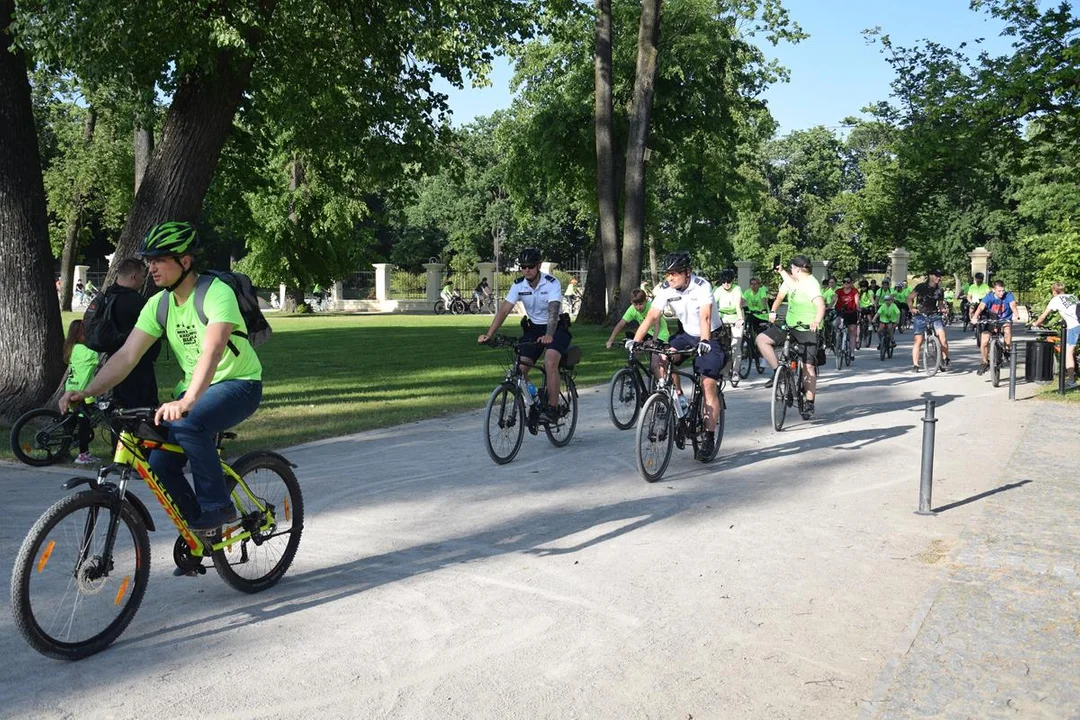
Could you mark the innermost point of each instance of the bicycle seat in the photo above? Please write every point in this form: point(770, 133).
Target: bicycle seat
point(571, 358)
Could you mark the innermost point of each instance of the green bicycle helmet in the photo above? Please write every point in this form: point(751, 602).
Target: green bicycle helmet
point(170, 238)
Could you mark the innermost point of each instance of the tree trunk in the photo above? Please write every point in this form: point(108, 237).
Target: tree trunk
point(31, 337)
point(74, 222)
point(636, 144)
point(593, 308)
point(604, 128)
point(183, 163)
point(144, 149)
point(653, 274)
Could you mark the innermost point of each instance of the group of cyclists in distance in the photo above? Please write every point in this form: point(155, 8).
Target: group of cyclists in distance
point(687, 312)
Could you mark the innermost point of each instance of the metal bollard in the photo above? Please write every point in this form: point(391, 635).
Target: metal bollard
point(1012, 367)
point(926, 481)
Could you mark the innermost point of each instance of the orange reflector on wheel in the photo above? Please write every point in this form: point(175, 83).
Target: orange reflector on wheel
point(288, 510)
point(122, 590)
point(46, 555)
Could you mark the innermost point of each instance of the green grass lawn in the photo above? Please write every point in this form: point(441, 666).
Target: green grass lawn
point(329, 375)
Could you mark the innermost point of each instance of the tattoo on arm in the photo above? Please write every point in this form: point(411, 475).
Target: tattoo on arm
point(553, 317)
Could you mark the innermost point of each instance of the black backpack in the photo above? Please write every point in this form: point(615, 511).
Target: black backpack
point(100, 332)
point(258, 329)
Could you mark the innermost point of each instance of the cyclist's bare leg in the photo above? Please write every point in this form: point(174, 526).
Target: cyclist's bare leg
point(551, 372)
point(767, 349)
point(810, 381)
point(984, 348)
point(916, 348)
point(1007, 329)
point(944, 344)
point(852, 336)
point(712, 402)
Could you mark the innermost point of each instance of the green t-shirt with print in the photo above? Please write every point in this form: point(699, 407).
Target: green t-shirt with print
point(889, 313)
point(829, 295)
point(83, 364)
point(632, 315)
point(185, 334)
point(800, 299)
point(866, 298)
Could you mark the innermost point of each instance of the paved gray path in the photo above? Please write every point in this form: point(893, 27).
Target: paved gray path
point(787, 579)
point(999, 636)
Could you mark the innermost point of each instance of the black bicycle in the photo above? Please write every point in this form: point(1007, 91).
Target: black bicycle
point(512, 408)
point(866, 329)
point(666, 423)
point(999, 351)
point(485, 305)
point(789, 385)
point(629, 388)
point(886, 344)
point(44, 436)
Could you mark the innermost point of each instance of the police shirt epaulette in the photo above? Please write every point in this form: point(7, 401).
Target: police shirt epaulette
point(665, 286)
point(549, 278)
point(698, 280)
point(518, 279)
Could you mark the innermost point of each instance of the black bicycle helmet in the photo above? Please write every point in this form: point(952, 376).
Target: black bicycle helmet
point(529, 256)
point(727, 276)
point(678, 260)
point(170, 238)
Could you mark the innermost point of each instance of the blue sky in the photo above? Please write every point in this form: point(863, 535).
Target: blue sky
point(834, 72)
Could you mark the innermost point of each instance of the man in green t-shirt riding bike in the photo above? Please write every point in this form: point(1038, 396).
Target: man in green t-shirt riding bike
point(222, 383)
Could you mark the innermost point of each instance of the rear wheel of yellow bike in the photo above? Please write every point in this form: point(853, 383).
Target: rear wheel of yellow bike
point(275, 518)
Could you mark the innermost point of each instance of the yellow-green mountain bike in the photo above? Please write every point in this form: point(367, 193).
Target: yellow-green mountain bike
point(82, 571)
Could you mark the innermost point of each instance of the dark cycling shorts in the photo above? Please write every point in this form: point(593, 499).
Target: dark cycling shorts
point(708, 365)
point(851, 317)
point(807, 339)
point(560, 341)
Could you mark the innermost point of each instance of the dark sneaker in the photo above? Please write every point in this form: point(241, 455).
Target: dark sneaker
point(213, 519)
point(705, 449)
point(914, 368)
point(548, 416)
point(770, 383)
point(947, 365)
point(808, 410)
point(982, 369)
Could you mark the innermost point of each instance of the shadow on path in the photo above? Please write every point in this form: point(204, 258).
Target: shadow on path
point(980, 496)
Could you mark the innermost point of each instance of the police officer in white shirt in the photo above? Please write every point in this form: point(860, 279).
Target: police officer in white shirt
point(692, 299)
point(541, 296)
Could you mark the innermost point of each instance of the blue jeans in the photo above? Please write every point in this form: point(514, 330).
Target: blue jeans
point(222, 406)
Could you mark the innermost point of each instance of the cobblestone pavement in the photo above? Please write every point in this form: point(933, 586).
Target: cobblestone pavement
point(999, 636)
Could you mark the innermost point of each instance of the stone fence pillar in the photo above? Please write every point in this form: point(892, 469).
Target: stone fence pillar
point(899, 259)
point(434, 279)
point(382, 280)
point(281, 295)
point(980, 262)
point(820, 268)
point(337, 295)
point(746, 271)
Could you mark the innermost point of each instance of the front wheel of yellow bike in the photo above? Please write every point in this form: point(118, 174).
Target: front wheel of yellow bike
point(274, 512)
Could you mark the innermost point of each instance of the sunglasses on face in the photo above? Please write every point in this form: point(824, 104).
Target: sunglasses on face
point(529, 267)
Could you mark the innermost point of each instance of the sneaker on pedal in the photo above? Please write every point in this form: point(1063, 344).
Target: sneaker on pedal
point(549, 416)
point(705, 449)
point(808, 410)
point(914, 368)
point(213, 519)
point(982, 369)
point(770, 383)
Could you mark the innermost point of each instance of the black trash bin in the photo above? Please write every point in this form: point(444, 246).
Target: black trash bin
point(1039, 362)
